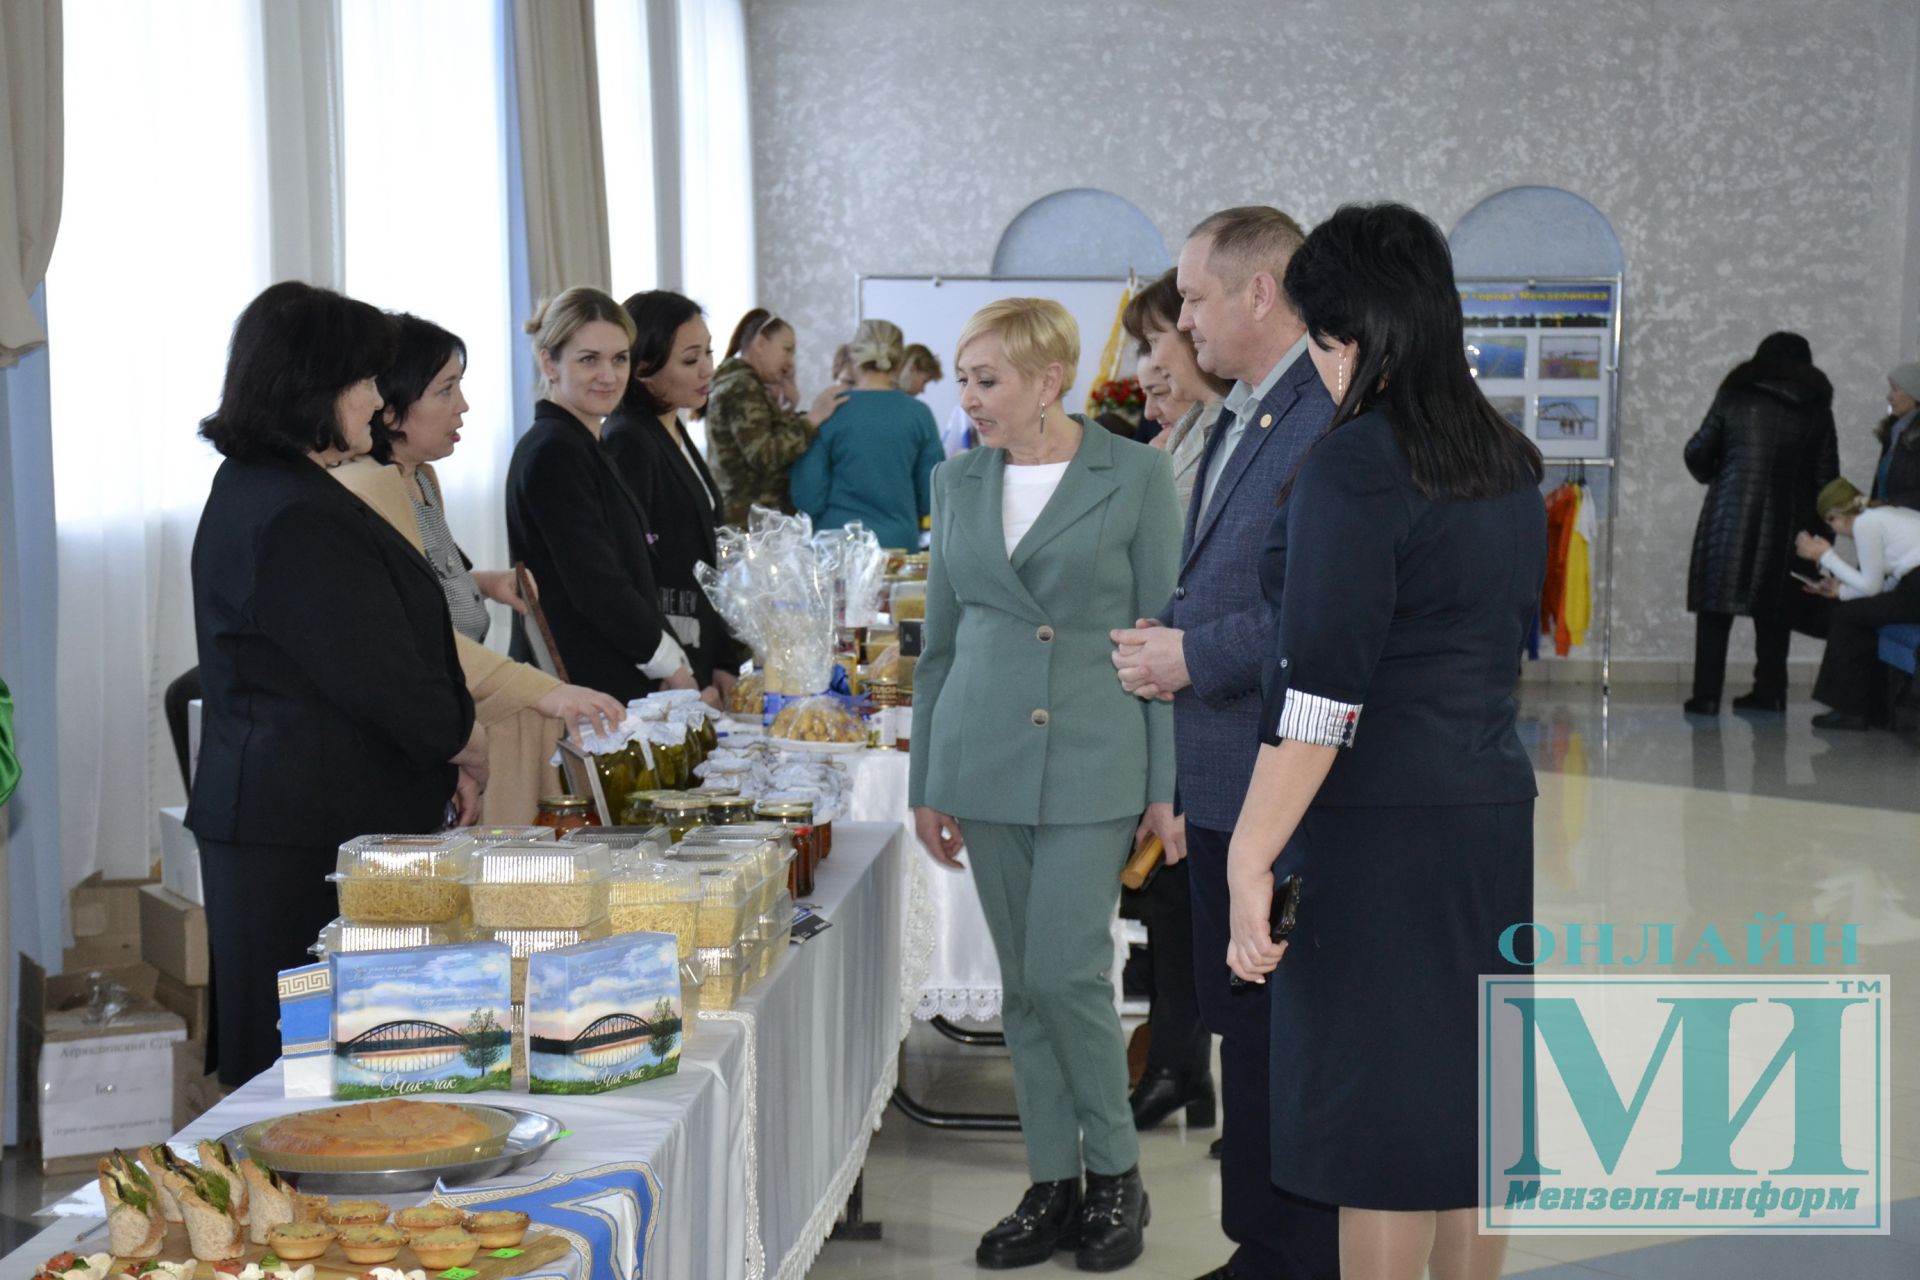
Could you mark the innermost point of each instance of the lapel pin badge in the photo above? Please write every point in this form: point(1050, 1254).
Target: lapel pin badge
point(1266, 420)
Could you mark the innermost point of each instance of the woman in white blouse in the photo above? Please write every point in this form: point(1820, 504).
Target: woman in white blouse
point(1883, 589)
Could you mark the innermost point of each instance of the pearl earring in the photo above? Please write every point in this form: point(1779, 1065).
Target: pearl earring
point(1043, 417)
point(1340, 394)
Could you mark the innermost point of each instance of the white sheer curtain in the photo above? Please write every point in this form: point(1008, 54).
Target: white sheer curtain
point(163, 242)
point(426, 219)
point(716, 156)
point(623, 54)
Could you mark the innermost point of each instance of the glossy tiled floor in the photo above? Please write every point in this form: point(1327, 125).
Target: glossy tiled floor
point(1644, 814)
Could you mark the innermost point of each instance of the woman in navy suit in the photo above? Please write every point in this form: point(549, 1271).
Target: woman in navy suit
point(1403, 568)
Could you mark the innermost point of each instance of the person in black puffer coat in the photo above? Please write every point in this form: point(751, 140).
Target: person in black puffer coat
point(1765, 450)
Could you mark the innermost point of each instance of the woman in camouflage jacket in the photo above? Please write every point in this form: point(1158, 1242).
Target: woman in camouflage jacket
point(753, 432)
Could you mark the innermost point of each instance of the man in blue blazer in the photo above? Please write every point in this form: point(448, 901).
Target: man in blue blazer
point(1205, 652)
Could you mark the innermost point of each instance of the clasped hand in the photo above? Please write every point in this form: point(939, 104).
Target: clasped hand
point(1151, 659)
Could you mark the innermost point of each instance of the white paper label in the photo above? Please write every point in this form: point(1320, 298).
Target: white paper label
point(96, 1095)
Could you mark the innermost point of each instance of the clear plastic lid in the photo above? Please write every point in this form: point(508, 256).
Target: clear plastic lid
point(656, 880)
point(345, 936)
point(540, 885)
point(495, 835)
point(768, 856)
point(541, 862)
point(525, 942)
point(446, 856)
point(648, 841)
point(778, 832)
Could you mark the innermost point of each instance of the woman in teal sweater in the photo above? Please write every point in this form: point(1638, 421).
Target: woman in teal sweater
point(873, 460)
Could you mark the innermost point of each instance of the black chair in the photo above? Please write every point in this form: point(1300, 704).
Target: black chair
point(183, 690)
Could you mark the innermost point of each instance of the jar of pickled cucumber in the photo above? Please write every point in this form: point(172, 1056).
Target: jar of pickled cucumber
point(680, 813)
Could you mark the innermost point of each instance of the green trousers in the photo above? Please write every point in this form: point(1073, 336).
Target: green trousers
point(1049, 893)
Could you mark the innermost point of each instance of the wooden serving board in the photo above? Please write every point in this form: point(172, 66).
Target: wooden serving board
point(538, 1249)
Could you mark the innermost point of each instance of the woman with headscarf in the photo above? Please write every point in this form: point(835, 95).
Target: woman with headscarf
point(1766, 449)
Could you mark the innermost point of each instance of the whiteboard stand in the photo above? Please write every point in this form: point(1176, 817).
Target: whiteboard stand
point(932, 310)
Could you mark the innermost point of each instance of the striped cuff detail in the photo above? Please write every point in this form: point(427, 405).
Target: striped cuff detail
point(1308, 717)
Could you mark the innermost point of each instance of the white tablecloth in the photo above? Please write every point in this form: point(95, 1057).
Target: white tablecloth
point(963, 974)
point(755, 1143)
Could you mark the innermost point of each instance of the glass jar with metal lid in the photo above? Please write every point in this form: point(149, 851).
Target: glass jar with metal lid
point(561, 814)
point(729, 811)
point(639, 810)
point(680, 812)
point(797, 817)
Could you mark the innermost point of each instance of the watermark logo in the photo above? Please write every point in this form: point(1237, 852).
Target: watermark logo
point(1684, 1103)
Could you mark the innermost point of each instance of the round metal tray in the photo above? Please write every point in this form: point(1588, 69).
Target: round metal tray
point(532, 1133)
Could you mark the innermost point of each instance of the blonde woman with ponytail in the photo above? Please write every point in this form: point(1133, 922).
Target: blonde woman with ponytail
point(873, 460)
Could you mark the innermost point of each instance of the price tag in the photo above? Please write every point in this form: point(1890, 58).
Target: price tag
point(506, 1253)
point(458, 1273)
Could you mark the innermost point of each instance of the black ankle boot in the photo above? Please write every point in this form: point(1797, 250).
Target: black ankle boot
point(1161, 1092)
point(1113, 1221)
point(1048, 1219)
point(1698, 706)
point(1761, 700)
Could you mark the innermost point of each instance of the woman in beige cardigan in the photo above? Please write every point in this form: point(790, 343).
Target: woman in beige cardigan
point(523, 710)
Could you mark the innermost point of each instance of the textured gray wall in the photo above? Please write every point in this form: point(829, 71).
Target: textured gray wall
point(1754, 157)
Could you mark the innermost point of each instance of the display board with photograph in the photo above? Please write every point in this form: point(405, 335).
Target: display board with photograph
point(1545, 353)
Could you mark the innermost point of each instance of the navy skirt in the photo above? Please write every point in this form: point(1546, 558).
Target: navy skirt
point(1375, 1065)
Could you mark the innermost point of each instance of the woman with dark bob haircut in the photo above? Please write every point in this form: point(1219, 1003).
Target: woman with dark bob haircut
point(522, 708)
point(672, 373)
point(1402, 570)
point(333, 704)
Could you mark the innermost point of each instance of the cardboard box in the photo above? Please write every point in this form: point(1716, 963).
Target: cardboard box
point(87, 1087)
point(306, 1031)
point(194, 1091)
point(106, 923)
point(604, 1014)
point(180, 856)
point(422, 1020)
point(193, 1004)
point(173, 935)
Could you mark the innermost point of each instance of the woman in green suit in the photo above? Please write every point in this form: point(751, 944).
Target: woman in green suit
point(1028, 754)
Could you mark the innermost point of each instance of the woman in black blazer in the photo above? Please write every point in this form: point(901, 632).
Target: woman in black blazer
point(1403, 570)
point(575, 523)
point(673, 370)
point(332, 700)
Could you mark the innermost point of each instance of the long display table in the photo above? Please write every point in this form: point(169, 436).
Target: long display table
point(735, 1167)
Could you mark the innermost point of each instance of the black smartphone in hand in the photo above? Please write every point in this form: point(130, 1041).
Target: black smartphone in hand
point(1281, 919)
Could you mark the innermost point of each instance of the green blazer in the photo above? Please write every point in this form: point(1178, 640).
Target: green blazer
point(1018, 716)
